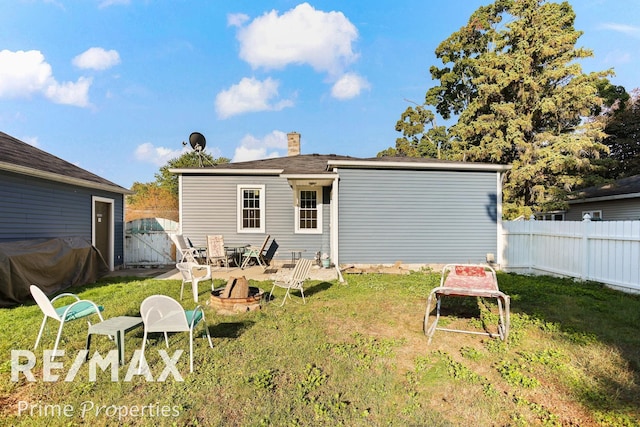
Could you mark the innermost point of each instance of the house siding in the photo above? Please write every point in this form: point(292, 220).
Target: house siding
point(416, 217)
point(612, 210)
point(209, 206)
point(32, 208)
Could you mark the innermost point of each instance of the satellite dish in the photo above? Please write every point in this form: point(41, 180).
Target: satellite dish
point(197, 141)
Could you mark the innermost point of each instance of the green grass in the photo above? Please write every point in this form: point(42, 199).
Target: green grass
point(354, 355)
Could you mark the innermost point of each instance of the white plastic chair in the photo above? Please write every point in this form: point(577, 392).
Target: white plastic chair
point(194, 273)
point(295, 280)
point(76, 310)
point(161, 313)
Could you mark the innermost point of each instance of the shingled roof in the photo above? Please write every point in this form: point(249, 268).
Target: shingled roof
point(321, 164)
point(19, 157)
point(625, 187)
point(303, 163)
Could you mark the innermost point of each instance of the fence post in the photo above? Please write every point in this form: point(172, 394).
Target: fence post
point(532, 220)
point(586, 222)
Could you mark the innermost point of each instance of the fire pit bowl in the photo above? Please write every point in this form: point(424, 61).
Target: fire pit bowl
point(236, 305)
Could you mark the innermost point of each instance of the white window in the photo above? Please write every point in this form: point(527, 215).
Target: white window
point(550, 216)
point(595, 215)
point(251, 209)
point(309, 210)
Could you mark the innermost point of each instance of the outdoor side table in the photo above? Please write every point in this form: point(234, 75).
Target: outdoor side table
point(114, 326)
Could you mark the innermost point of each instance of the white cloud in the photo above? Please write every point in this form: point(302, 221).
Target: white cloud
point(302, 35)
point(159, 156)
point(349, 86)
point(236, 19)
point(252, 148)
point(249, 95)
point(629, 30)
point(69, 93)
point(97, 58)
point(23, 73)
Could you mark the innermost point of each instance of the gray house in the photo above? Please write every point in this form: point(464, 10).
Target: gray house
point(357, 211)
point(616, 201)
point(45, 197)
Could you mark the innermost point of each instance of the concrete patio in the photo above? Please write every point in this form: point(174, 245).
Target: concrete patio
point(222, 273)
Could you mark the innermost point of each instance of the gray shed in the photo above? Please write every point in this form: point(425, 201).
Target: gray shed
point(354, 210)
point(43, 197)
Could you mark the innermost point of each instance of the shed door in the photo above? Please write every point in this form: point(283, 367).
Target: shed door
point(103, 229)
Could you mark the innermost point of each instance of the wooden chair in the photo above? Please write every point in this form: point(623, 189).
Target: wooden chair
point(216, 252)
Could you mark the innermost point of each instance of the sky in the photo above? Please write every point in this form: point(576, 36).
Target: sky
point(116, 86)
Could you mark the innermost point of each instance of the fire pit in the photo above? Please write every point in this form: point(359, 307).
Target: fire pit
point(236, 297)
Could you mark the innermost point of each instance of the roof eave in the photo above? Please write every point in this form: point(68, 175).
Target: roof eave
point(417, 165)
point(604, 198)
point(225, 171)
point(63, 178)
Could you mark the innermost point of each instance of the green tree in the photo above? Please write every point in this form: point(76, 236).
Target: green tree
point(512, 77)
point(189, 159)
point(160, 197)
point(622, 126)
point(416, 141)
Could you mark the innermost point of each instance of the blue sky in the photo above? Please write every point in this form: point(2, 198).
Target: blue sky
point(116, 86)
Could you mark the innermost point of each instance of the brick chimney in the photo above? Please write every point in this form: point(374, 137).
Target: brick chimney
point(293, 144)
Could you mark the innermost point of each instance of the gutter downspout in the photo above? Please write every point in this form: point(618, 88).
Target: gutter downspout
point(333, 229)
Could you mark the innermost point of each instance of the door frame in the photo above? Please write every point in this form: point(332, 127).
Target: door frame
point(111, 232)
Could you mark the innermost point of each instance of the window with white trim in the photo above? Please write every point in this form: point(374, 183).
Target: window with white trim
point(251, 209)
point(309, 210)
point(550, 216)
point(595, 215)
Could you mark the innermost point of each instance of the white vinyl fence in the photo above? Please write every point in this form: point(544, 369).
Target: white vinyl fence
point(148, 242)
point(602, 251)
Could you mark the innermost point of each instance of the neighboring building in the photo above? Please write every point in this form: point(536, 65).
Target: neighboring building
point(616, 201)
point(357, 211)
point(43, 196)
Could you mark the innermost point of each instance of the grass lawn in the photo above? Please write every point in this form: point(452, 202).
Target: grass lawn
point(354, 355)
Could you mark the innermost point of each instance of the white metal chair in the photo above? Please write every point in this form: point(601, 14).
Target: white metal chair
point(187, 253)
point(161, 313)
point(256, 253)
point(470, 280)
point(216, 252)
point(78, 309)
point(194, 273)
point(295, 280)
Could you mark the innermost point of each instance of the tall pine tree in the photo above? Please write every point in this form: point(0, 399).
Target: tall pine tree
point(512, 77)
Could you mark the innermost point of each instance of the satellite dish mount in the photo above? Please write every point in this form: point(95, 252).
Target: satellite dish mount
point(198, 142)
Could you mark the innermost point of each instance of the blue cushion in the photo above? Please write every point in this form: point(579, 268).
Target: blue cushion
point(189, 314)
point(80, 309)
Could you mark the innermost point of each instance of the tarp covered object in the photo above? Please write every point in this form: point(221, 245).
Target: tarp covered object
point(51, 264)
